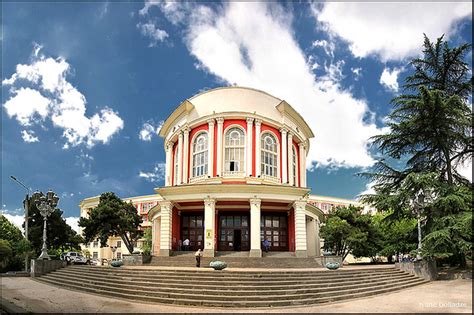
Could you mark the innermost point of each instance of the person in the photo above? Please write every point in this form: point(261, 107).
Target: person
point(180, 245)
point(266, 245)
point(186, 244)
point(198, 255)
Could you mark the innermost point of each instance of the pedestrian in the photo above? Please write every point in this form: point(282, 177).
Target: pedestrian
point(180, 245)
point(198, 255)
point(266, 245)
point(186, 244)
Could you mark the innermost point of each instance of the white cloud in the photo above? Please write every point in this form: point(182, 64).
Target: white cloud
point(252, 44)
point(16, 219)
point(328, 47)
point(29, 136)
point(150, 30)
point(392, 31)
point(389, 79)
point(74, 223)
point(158, 173)
point(149, 129)
point(357, 73)
point(54, 97)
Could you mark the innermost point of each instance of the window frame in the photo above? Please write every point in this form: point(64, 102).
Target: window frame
point(242, 147)
point(205, 152)
point(263, 134)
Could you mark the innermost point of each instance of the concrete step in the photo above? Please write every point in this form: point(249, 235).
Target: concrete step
point(209, 279)
point(200, 300)
point(162, 288)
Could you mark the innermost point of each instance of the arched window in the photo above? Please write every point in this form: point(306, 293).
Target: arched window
point(200, 155)
point(269, 155)
point(294, 166)
point(175, 159)
point(234, 151)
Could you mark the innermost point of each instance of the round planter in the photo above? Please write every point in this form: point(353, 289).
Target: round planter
point(332, 265)
point(116, 263)
point(218, 265)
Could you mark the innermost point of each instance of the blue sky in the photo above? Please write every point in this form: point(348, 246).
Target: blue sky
point(85, 86)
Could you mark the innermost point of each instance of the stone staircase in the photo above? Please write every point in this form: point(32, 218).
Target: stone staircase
point(234, 289)
point(237, 260)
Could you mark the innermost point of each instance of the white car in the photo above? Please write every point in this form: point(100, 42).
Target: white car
point(75, 258)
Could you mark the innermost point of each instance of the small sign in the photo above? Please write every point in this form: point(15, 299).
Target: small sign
point(209, 233)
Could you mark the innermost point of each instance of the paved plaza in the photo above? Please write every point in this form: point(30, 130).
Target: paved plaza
point(453, 296)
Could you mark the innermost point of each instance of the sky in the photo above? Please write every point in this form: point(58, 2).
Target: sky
point(86, 86)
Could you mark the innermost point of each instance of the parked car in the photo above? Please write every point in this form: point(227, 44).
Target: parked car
point(74, 258)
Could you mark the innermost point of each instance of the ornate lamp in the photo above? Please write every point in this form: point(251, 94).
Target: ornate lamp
point(46, 205)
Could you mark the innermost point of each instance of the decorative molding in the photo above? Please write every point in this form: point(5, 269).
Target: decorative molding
point(250, 120)
point(258, 122)
point(255, 202)
point(220, 120)
point(209, 202)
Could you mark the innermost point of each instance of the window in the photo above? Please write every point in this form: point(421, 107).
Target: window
point(119, 244)
point(269, 155)
point(96, 244)
point(200, 147)
point(175, 159)
point(95, 255)
point(119, 255)
point(234, 151)
point(294, 166)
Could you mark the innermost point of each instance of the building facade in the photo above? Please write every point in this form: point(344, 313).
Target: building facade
point(235, 175)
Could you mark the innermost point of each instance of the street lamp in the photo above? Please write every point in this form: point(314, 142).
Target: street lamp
point(113, 248)
point(419, 205)
point(26, 207)
point(46, 205)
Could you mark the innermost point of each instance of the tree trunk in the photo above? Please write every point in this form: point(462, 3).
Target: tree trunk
point(449, 170)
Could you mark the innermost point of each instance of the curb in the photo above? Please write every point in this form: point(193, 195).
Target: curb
point(10, 308)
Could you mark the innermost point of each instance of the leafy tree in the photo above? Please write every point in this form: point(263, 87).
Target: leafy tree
point(347, 230)
point(112, 217)
point(8, 231)
point(146, 248)
point(15, 247)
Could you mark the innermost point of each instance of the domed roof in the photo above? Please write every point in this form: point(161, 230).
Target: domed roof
point(231, 99)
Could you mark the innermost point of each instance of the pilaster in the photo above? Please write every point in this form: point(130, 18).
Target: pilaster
point(185, 154)
point(300, 228)
point(220, 130)
point(258, 153)
point(255, 214)
point(210, 142)
point(166, 226)
point(179, 181)
point(249, 146)
point(290, 159)
point(209, 226)
point(284, 156)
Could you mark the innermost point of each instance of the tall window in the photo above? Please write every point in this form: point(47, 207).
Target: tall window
point(293, 165)
point(269, 155)
point(234, 150)
point(176, 164)
point(200, 155)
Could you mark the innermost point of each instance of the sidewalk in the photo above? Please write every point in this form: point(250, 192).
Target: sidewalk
point(439, 296)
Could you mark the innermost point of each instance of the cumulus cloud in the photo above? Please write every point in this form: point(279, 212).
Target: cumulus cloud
point(392, 31)
point(150, 30)
point(158, 173)
point(149, 129)
point(73, 222)
point(389, 79)
point(29, 136)
point(53, 97)
point(328, 47)
point(252, 44)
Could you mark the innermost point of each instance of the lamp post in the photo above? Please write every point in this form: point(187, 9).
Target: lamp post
point(419, 205)
point(26, 207)
point(113, 248)
point(46, 205)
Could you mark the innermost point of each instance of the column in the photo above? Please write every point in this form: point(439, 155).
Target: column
point(209, 226)
point(166, 226)
point(255, 247)
point(156, 223)
point(249, 146)
point(169, 163)
point(220, 130)
point(302, 164)
point(300, 228)
point(284, 156)
point(185, 154)
point(290, 159)
point(318, 240)
point(210, 142)
point(258, 156)
point(179, 180)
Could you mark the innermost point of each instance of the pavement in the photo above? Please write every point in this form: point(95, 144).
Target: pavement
point(450, 296)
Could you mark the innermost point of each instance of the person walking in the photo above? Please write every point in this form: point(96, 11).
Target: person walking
point(186, 244)
point(198, 255)
point(266, 245)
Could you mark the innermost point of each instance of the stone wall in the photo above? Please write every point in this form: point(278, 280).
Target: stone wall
point(134, 259)
point(327, 259)
point(41, 267)
point(425, 269)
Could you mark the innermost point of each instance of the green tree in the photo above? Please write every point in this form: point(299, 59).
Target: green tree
point(147, 243)
point(112, 217)
point(14, 240)
point(347, 230)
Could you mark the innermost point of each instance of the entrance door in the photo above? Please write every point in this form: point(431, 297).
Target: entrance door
point(234, 234)
point(274, 228)
point(192, 228)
